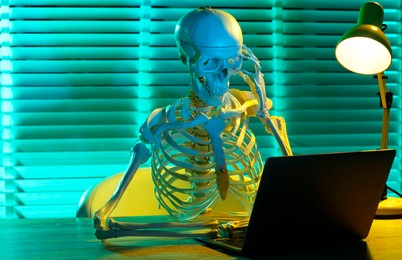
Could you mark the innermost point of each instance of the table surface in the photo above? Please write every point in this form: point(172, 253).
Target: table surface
point(74, 239)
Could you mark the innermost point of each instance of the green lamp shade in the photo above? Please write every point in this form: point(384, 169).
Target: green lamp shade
point(365, 49)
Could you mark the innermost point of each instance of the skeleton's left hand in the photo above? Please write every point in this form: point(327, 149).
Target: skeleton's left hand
point(273, 125)
point(256, 81)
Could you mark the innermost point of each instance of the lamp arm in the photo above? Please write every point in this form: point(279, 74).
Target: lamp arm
point(386, 103)
point(384, 132)
point(383, 89)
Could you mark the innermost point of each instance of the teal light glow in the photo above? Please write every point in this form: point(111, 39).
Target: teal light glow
point(7, 148)
point(6, 134)
point(5, 38)
point(145, 79)
point(6, 120)
point(144, 75)
point(5, 52)
point(5, 24)
point(4, 9)
point(278, 62)
point(6, 93)
point(6, 107)
point(6, 79)
point(6, 65)
point(8, 162)
point(145, 13)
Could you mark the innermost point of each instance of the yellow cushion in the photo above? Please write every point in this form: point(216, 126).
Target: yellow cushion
point(138, 200)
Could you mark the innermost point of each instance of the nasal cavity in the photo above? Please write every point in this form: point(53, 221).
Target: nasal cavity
point(223, 74)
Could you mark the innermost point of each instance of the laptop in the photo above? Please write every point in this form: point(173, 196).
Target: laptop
point(306, 201)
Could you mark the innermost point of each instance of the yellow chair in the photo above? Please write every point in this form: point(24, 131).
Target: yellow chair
point(138, 200)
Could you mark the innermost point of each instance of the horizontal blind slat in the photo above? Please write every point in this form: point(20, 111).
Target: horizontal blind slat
point(76, 3)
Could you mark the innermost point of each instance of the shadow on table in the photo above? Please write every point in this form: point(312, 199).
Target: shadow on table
point(168, 248)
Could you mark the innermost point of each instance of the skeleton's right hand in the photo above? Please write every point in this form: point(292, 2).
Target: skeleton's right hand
point(97, 222)
point(139, 155)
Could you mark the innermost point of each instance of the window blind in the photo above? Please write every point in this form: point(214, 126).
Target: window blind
point(328, 108)
point(78, 79)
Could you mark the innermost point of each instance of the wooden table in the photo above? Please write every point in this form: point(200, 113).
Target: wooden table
point(74, 239)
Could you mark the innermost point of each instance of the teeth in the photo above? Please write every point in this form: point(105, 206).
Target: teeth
point(218, 91)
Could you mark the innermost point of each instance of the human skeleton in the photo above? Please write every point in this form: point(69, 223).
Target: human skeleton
point(201, 146)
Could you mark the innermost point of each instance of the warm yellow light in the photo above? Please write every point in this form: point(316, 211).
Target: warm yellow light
point(364, 48)
point(363, 55)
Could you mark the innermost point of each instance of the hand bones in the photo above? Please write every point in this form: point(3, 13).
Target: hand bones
point(201, 146)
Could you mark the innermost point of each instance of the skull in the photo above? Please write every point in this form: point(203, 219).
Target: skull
point(210, 43)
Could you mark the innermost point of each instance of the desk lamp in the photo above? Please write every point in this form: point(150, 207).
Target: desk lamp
point(364, 49)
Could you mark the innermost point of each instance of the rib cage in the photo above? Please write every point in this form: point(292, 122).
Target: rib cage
point(183, 166)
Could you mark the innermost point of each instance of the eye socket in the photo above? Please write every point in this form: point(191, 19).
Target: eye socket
point(210, 64)
point(235, 62)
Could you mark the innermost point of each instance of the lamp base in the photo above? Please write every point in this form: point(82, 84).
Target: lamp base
point(390, 208)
